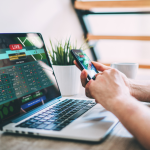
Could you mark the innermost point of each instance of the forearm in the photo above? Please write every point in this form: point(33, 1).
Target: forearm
point(135, 117)
point(140, 90)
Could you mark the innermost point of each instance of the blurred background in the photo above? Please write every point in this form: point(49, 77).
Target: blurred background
point(119, 31)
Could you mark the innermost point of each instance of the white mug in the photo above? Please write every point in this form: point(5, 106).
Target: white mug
point(129, 69)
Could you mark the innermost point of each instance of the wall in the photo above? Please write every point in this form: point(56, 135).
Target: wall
point(55, 19)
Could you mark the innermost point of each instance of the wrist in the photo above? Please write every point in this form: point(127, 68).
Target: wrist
point(131, 87)
point(119, 102)
point(139, 90)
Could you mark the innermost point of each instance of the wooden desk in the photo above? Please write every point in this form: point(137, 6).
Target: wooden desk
point(119, 139)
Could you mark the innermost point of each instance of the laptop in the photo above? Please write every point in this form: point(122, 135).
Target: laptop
point(30, 99)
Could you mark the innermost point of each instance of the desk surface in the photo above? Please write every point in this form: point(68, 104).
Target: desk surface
point(119, 139)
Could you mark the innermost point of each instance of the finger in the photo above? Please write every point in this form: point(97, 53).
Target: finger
point(77, 64)
point(96, 101)
point(87, 90)
point(98, 74)
point(100, 67)
point(87, 93)
point(83, 77)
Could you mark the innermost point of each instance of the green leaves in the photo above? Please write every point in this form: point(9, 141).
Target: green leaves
point(61, 55)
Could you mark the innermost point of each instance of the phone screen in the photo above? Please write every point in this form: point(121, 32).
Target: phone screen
point(86, 63)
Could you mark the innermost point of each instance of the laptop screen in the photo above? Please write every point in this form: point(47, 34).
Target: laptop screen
point(27, 79)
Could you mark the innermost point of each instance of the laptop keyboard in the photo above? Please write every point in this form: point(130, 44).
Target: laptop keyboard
point(59, 116)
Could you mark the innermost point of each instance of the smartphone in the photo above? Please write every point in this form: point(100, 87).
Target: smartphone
point(85, 63)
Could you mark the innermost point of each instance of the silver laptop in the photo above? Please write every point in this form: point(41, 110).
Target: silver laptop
point(30, 99)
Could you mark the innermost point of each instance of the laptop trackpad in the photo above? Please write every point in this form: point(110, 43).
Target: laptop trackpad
point(93, 125)
point(95, 115)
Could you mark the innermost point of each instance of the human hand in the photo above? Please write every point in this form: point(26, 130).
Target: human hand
point(101, 67)
point(108, 86)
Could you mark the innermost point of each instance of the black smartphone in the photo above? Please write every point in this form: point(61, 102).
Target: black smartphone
point(84, 62)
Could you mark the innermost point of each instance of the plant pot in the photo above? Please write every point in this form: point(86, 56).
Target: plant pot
point(68, 78)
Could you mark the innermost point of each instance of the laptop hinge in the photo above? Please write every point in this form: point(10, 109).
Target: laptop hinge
point(36, 110)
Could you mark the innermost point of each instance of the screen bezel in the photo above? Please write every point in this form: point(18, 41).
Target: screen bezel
point(49, 63)
point(80, 64)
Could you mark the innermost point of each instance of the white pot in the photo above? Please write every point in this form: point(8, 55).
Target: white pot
point(68, 78)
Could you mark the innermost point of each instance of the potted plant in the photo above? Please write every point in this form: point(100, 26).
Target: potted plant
point(67, 74)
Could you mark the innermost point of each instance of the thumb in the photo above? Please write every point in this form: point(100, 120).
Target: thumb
point(100, 67)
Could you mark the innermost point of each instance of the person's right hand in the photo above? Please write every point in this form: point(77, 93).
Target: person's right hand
point(101, 67)
point(108, 88)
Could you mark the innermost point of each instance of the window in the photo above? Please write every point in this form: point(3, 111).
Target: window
point(119, 31)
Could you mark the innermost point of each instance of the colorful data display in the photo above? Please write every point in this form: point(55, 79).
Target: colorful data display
point(17, 81)
point(27, 80)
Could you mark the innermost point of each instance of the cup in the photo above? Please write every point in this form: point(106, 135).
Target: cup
point(129, 69)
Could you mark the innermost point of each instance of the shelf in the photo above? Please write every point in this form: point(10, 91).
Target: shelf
point(99, 37)
point(111, 4)
point(140, 66)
